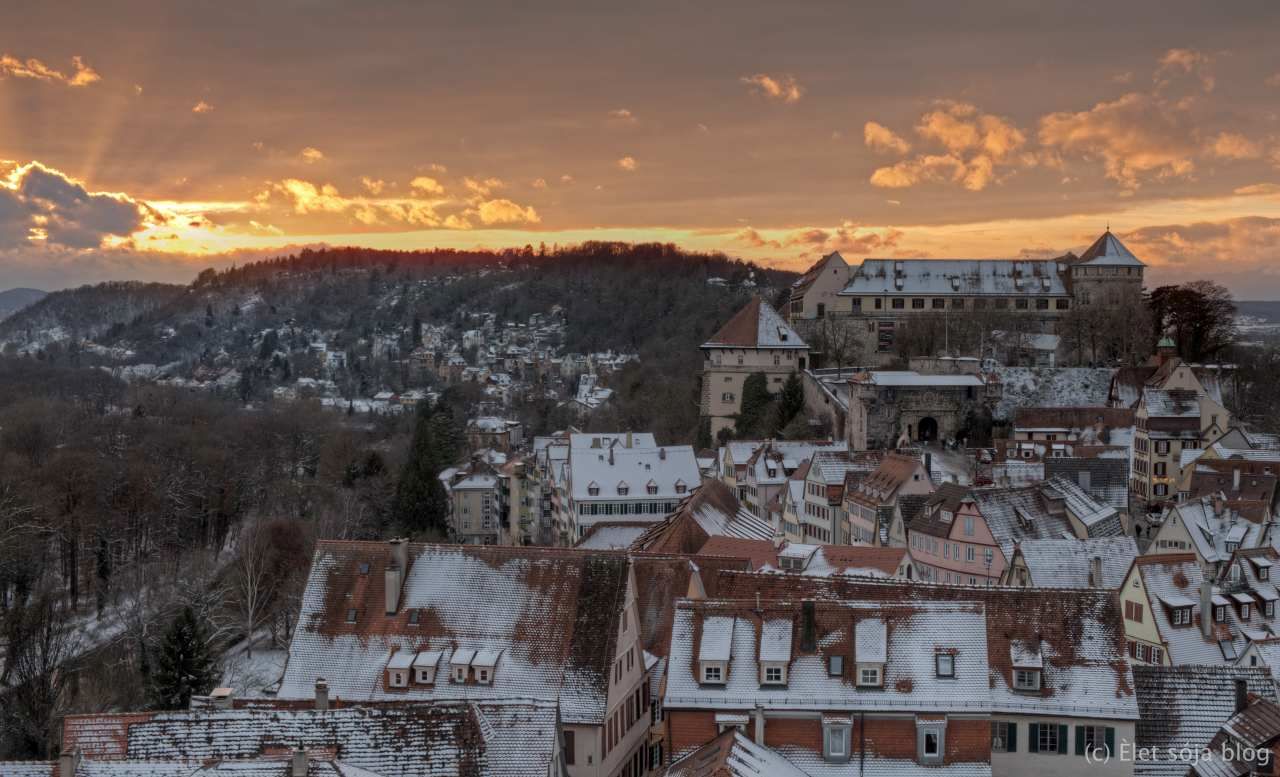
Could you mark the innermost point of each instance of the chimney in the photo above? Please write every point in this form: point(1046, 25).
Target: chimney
point(928, 464)
point(1206, 608)
point(1095, 572)
point(1235, 479)
point(759, 730)
point(393, 588)
point(610, 455)
point(662, 454)
point(322, 694)
point(68, 762)
point(221, 698)
point(1242, 695)
point(808, 627)
point(400, 552)
point(298, 765)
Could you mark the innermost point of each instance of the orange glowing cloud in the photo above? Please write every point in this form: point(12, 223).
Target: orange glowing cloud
point(82, 75)
point(783, 88)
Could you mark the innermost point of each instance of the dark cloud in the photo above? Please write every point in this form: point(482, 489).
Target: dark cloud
point(69, 215)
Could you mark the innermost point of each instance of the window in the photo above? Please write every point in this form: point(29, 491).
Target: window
point(1220, 613)
point(1095, 740)
point(869, 675)
point(1020, 304)
point(968, 527)
point(835, 666)
point(835, 742)
point(1269, 608)
point(399, 678)
point(482, 676)
point(711, 673)
point(945, 664)
point(1264, 573)
point(1026, 679)
point(898, 304)
point(1042, 304)
point(1004, 737)
point(415, 616)
point(929, 744)
point(1133, 611)
point(726, 396)
point(969, 553)
point(1182, 616)
point(773, 675)
point(364, 567)
point(351, 615)
point(939, 303)
point(1062, 304)
point(568, 748)
point(1048, 738)
point(917, 304)
point(958, 302)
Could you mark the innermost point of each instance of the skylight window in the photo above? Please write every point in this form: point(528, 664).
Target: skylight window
point(945, 664)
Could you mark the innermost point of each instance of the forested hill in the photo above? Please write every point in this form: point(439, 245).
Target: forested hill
point(615, 296)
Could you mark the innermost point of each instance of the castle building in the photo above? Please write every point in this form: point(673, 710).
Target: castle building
point(887, 293)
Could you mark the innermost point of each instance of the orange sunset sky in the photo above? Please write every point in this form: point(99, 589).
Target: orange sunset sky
point(151, 139)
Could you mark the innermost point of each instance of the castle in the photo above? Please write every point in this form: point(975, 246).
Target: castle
point(887, 293)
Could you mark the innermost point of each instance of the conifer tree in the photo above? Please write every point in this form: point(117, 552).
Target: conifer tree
point(420, 502)
point(184, 666)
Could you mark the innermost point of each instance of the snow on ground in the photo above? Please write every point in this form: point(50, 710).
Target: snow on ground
point(251, 673)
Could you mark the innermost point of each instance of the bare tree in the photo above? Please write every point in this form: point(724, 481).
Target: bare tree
point(41, 649)
point(252, 580)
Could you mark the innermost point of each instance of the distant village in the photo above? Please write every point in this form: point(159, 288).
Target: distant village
point(899, 592)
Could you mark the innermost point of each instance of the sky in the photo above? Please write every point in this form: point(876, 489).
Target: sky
point(148, 140)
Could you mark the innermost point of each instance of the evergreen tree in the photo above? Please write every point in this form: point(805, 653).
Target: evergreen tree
point(420, 502)
point(792, 400)
point(755, 404)
point(184, 666)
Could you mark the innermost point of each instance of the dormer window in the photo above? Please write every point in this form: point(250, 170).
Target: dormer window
point(774, 674)
point(835, 739)
point(593, 489)
point(1026, 679)
point(485, 665)
point(1028, 663)
point(351, 615)
point(870, 637)
point(398, 669)
point(1264, 573)
point(623, 488)
point(1220, 613)
point(944, 664)
point(835, 666)
point(651, 487)
point(460, 664)
point(713, 650)
point(415, 617)
point(424, 667)
point(681, 487)
point(1181, 616)
point(871, 675)
point(930, 740)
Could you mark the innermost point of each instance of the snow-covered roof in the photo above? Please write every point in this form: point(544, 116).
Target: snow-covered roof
point(870, 641)
point(511, 737)
point(757, 325)
point(732, 754)
point(551, 612)
point(717, 639)
point(907, 650)
point(667, 467)
point(1080, 633)
point(910, 378)
point(957, 277)
point(775, 640)
point(1065, 563)
point(1183, 707)
point(1108, 251)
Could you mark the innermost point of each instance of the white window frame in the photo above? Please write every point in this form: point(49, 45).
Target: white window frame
point(835, 743)
point(710, 667)
point(939, 733)
point(1026, 679)
point(774, 674)
point(949, 659)
point(874, 669)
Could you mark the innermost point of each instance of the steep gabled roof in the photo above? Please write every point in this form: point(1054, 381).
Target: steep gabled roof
point(711, 510)
point(757, 325)
point(1065, 563)
point(732, 754)
point(553, 613)
point(1184, 706)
